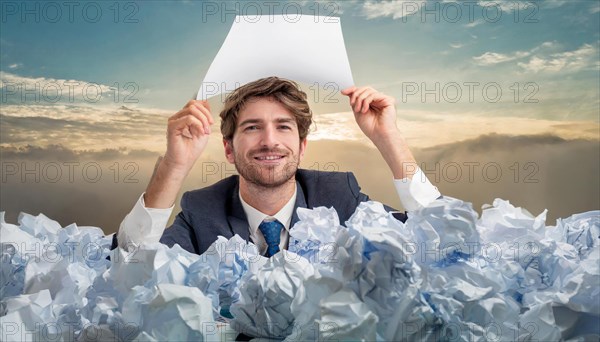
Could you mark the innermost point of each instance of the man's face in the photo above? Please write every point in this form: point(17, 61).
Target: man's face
point(266, 147)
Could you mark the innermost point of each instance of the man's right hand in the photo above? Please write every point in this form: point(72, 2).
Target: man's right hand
point(187, 136)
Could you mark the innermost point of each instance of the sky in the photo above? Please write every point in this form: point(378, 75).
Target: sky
point(515, 83)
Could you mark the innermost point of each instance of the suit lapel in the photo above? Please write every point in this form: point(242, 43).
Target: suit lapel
point(237, 217)
point(300, 203)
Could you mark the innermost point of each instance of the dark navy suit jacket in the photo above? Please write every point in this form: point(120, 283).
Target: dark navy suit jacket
point(217, 210)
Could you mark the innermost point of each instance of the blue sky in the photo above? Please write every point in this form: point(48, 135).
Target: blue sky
point(165, 47)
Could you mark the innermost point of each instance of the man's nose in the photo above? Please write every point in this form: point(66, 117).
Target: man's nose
point(269, 136)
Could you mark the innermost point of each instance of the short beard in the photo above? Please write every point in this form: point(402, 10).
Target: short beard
point(253, 175)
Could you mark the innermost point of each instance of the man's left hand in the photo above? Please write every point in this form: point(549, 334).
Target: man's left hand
point(374, 112)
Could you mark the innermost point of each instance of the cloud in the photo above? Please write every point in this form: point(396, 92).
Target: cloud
point(63, 153)
point(95, 127)
point(538, 172)
point(583, 58)
point(491, 58)
point(554, 3)
point(532, 171)
point(424, 129)
point(51, 89)
point(505, 6)
point(544, 58)
point(98, 127)
point(398, 9)
point(474, 23)
point(509, 6)
point(17, 89)
point(75, 126)
point(395, 9)
point(546, 45)
point(489, 142)
point(51, 111)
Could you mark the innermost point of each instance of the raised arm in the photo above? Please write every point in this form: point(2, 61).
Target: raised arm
point(375, 114)
point(187, 136)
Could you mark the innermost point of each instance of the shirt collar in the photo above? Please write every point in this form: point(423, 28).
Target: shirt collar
point(255, 217)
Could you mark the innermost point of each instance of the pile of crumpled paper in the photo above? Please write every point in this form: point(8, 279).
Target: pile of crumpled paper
point(445, 274)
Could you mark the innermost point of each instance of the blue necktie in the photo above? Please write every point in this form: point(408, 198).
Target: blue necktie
point(271, 230)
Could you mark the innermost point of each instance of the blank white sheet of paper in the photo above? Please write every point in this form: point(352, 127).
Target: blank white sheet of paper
point(302, 48)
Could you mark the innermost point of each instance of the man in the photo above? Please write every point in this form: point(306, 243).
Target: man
point(264, 125)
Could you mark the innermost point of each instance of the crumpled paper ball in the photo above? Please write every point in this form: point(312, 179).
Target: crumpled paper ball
point(444, 274)
point(263, 308)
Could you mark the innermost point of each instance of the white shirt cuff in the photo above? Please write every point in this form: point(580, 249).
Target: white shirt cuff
point(416, 193)
point(143, 225)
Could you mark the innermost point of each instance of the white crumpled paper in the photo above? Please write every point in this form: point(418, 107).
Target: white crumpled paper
point(444, 274)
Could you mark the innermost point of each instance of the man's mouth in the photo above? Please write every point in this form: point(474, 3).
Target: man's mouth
point(269, 157)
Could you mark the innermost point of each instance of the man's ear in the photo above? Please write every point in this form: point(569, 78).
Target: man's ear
point(228, 145)
point(303, 143)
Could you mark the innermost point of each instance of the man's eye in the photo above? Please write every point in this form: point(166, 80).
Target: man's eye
point(285, 127)
point(251, 128)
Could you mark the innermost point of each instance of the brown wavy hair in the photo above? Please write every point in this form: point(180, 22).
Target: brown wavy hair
point(282, 90)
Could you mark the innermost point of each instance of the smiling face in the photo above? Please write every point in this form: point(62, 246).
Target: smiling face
point(266, 147)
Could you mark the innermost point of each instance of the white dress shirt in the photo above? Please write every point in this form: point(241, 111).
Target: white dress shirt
point(146, 225)
point(256, 217)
